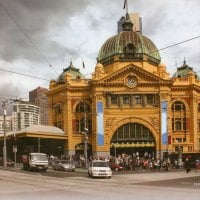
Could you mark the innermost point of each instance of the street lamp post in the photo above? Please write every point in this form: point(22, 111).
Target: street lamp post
point(85, 146)
point(85, 136)
point(4, 128)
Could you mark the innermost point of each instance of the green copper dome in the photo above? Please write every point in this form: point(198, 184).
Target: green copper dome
point(74, 72)
point(184, 71)
point(128, 45)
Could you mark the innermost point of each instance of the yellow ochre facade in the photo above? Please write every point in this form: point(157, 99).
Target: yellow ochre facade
point(130, 104)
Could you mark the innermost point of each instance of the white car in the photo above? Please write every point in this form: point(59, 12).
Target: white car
point(99, 168)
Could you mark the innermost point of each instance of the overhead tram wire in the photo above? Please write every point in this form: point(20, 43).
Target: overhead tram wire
point(90, 73)
point(28, 38)
point(172, 45)
point(35, 77)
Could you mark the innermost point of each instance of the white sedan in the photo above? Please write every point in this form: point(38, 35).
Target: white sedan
point(99, 168)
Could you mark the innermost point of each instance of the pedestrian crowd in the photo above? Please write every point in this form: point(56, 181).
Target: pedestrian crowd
point(132, 162)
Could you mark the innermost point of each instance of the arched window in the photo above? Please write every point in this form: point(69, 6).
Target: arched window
point(83, 117)
point(178, 106)
point(133, 132)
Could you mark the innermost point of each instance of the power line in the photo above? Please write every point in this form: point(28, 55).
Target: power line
point(90, 73)
point(172, 45)
point(35, 77)
point(28, 38)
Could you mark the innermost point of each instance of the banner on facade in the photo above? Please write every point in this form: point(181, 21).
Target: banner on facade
point(100, 124)
point(164, 122)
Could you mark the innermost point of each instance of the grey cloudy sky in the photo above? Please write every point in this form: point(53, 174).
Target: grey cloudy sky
point(36, 33)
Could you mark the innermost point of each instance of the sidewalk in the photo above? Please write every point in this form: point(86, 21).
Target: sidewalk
point(139, 175)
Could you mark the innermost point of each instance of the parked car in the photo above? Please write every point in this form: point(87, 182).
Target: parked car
point(116, 167)
point(10, 163)
point(63, 165)
point(99, 169)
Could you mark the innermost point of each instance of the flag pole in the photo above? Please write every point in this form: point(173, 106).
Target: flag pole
point(126, 5)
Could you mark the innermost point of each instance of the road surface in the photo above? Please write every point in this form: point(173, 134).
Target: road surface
point(17, 185)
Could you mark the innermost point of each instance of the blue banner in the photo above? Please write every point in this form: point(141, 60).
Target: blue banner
point(164, 122)
point(100, 124)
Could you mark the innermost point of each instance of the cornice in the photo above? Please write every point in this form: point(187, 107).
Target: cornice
point(185, 88)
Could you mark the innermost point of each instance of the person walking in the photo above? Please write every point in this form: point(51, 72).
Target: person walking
point(187, 166)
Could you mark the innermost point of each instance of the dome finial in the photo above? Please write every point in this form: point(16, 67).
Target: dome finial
point(127, 24)
point(184, 62)
point(71, 64)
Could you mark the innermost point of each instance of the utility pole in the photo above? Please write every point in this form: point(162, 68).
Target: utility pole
point(4, 128)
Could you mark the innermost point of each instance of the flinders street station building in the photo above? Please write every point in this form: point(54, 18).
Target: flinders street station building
point(130, 104)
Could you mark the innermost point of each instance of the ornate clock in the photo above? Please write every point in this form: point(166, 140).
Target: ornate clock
point(131, 81)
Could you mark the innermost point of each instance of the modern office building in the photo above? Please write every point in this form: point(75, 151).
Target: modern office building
point(25, 115)
point(38, 97)
point(130, 104)
point(135, 19)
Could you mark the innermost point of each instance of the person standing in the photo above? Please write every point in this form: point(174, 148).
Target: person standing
point(187, 166)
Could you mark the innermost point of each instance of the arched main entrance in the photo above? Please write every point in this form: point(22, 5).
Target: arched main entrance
point(132, 138)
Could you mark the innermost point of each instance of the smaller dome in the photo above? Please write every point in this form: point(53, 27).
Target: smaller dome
point(74, 72)
point(184, 71)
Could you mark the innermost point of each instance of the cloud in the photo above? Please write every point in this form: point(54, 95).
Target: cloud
point(36, 33)
point(27, 26)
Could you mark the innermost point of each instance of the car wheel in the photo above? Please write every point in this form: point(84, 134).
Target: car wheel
point(62, 169)
point(92, 175)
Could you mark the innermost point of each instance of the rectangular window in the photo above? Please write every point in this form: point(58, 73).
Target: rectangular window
point(137, 99)
point(190, 148)
point(198, 125)
point(199, 143)
point(178, 140)
point(178, 124)
point(150, 99)
point(126, 100)
point(114, 99)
